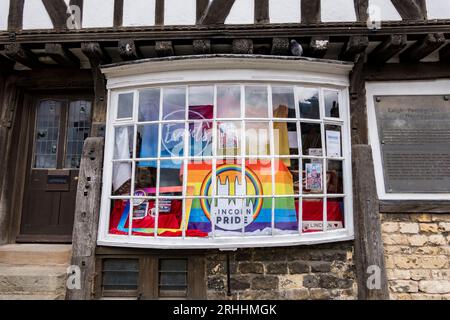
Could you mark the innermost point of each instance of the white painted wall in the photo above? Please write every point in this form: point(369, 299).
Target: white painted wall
point(98, 13)
point(242, 12)
point(438, 9)
point(4, 12)
point(178, 12)
point(386, 9)
point(35, 16)
point(338, 10)
point(138, 13)
point(285, 11)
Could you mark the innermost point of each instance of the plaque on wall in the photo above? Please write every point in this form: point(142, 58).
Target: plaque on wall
point(414, 133)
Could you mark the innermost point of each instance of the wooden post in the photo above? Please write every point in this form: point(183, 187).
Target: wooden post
point(369, 250)
point(87, 212)
point(358, 108)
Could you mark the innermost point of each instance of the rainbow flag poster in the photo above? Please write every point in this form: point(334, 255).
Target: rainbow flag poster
point(252, 214)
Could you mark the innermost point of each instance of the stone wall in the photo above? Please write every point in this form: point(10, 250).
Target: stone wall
point(306, 272)
point(417, 249)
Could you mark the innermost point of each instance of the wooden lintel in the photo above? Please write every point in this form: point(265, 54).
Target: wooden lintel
point(354, 46)
point(262, 11)
point(61, 55)
point(94, 51)
point(242, 46)
point(310, 11)
point(407, 71)
point(444, 54)
point(318, 47)
point(164, 48)
point(216, 12)
point(411, 9)
point(128, 50)
point(202, 46)
point(19, 53)
point(388, 48)
point(423, 48)
point(280, 47)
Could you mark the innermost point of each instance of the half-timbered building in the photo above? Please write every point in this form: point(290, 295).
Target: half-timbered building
point(224, 149)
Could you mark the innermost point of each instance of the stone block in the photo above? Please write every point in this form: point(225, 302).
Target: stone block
point(435, 286)
point(291, 281)
point(404, 286)
point(251, 267)
point(276, 268)
point(389, 227)
point(428, 227)
point(265, 283)
point(409, 227)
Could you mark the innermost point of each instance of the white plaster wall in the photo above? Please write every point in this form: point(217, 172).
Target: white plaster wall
point(138, 13)
point(285, 11)
point(178, 12)
point(4, 12)
point(98, 13)
point(242, 12)
point(438, 9)
point(35, 16)
point(338, 10)
point(387, 10)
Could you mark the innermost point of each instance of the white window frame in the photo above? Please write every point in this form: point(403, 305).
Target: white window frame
point(245, 71)
point(391, 88)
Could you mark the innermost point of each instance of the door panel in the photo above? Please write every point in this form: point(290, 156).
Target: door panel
point(59, 129)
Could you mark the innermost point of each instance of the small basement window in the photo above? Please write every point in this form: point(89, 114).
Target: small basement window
point(226, 153)
point(120, 277)
point(173, 278)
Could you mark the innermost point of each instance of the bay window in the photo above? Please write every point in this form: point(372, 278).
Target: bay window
point(227, 158)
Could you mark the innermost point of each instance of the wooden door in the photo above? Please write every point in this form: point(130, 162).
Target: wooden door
point(58, 129)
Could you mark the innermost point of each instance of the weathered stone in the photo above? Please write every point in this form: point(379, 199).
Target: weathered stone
point(420, 274)
point(265, 283)
point(409, 228)
point(389, 227)
point(291, 281)
point(243, 254)
point(417, 240)
point(420, 262)
point(421, 217)
point(332, 282)
point(441, 217)
point(278, 255)
point(320, 266)
point(298, 267)
point(251, 267)
point(319, 294)
point(310, 281)
point(242, 46)
point(404, 286)
point(427, 250)
point(395, 239)
point(216, 283)
point(297, 294)
point(436, 286)
point(215, 267)
point(429, 227)
point(444, 226)
point(276, 268)
point(443, 274)
point(399, 274)
point(437, 239)
point(239, 283)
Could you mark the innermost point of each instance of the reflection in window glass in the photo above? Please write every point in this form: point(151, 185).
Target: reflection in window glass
point(200, 139)
point(173, 278)
point(172, 140)
point(335, 177)
point(147, 140)
point(257, 135)
point(228, 101)
point(125, 106)
point(228, 138)
point(174, 103)
point(308, 100)
point(331, 103)
point(201, 102)
point(78, 128)
point(256, 104)
point(120, 275)
point(149, 100)
point(48, 119)
point(123, 143)
point(311, 139)
point(283, 102)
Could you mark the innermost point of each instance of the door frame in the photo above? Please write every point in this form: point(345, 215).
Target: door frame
point(26, 148)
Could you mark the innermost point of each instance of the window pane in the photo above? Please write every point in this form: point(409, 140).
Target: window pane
point(145, 179)
point(333, 141)
point(170, 216)
point(172, 140)
point(120, 274)
point(201, 102)
point(311, 139)
point(125, 106)
point(228, 102)
point(121, 181)
point(198, 173)
point(147, 141)
point(170, 178)
point(312, 176)
point(174, 103)
point(285, 138)
point(283, 102)
point(312, 213)
point(172, 277)
point(256, 104)
point(149, 101)
point(123, 142)
point(228, 138)
point(200, 139)
point(78, 129)
point(335, 177)
point(285, 216)
point(48, 118)
point(285, 176)
point(257, 136)
point(335, 213)
point(198, 216)
point(119, 217)
point(308, 100)
point(331, 103)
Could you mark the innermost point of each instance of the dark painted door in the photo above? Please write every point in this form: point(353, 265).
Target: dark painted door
point(59, 127)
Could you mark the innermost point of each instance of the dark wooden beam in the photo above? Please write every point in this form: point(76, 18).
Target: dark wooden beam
point(95, 52)
point(411, 9)
point(86, 219)
point(361, 7)
point(57, 10)
point(262, 11)
point(354, 46)
point(164, 48)
point(61, 55)
point(423, 48)
point(15, 17)
point(318, 47)
point(407, 71)
point(118, 13)
point(388, 48)
point(414, 206)
point(128, 50)
point(6, 65)
point(216, 12)
point(358, 108)
point(55, 79)
point(242, 46)
point(159, 12)
point(202, 5)
point(444, 54)
point(19, 53)
point(280, 47)
point(311, 12)
point(202, 46)
point(369, 251)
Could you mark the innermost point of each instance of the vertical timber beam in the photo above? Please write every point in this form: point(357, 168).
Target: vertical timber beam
point(361, 7)
point(262, 11)
point(216, 12)
point(15, 17)
point(118, 13)
point(87, 212)
point(411, 9)
point(358, 108)
point(97, 57)
point(369, 251)
point(311, 12)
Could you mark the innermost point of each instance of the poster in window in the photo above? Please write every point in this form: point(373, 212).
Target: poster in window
point(313, 177)
point(333, 144)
